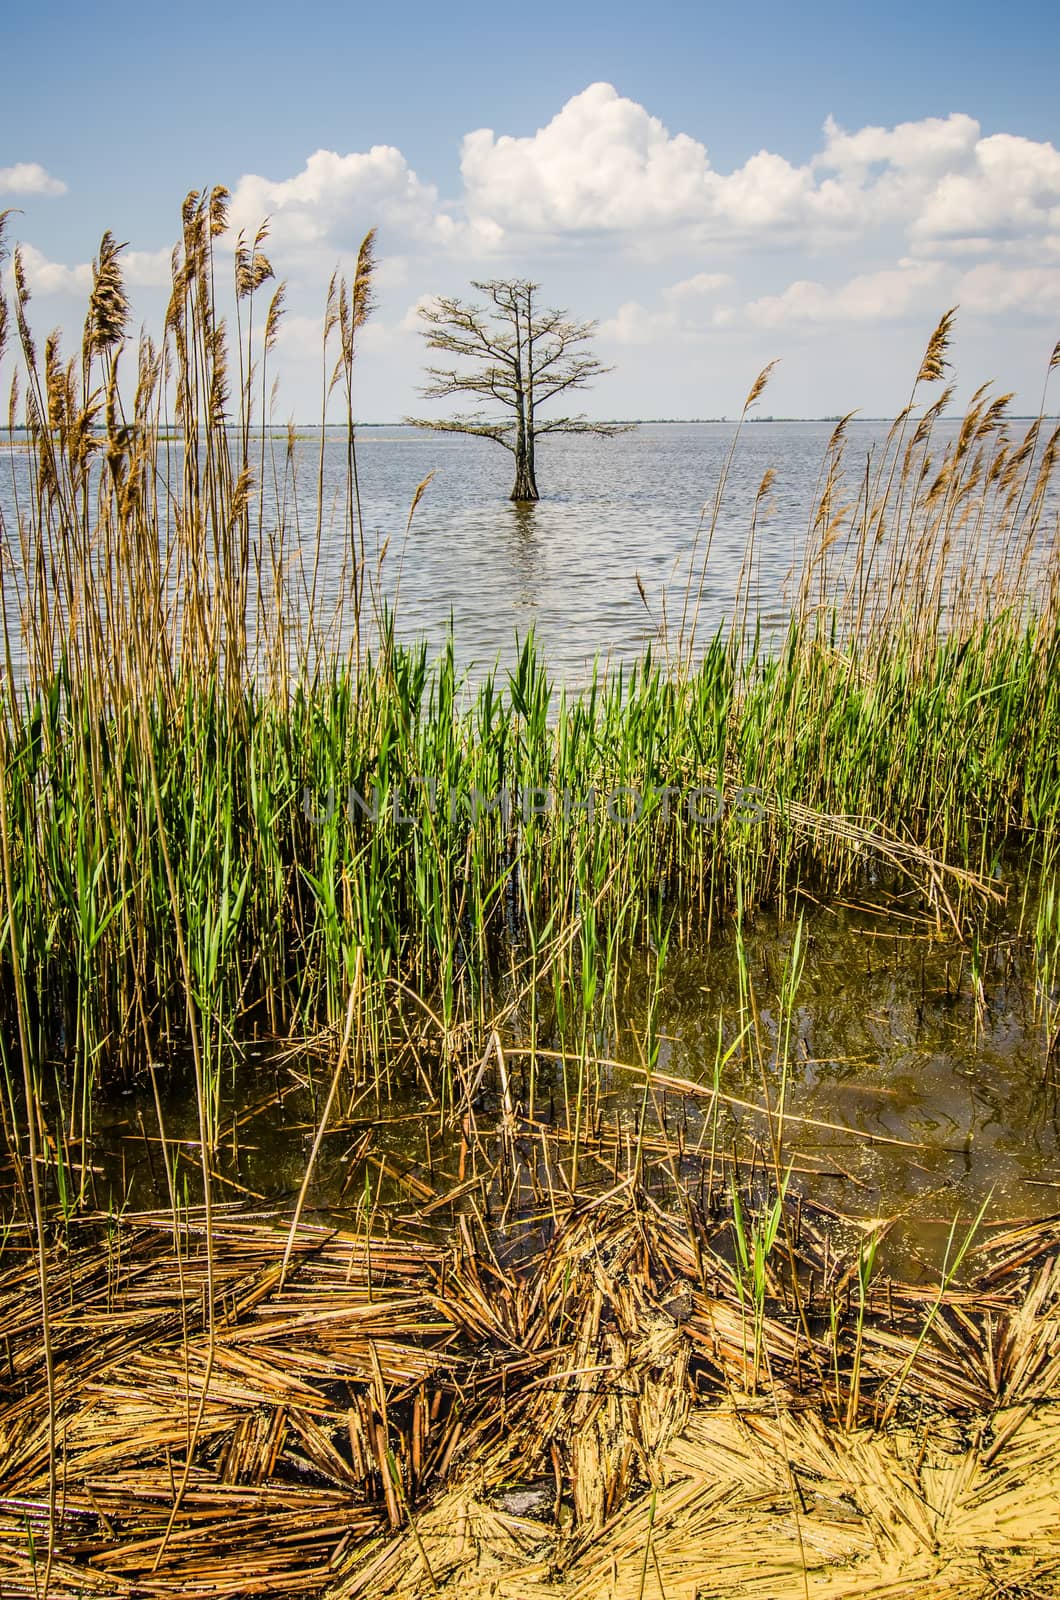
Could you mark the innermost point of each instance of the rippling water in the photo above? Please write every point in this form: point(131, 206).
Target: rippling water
point(612, 510)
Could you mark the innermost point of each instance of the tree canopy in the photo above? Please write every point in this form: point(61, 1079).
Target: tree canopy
point(513, 358)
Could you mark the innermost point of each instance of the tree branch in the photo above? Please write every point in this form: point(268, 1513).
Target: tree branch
point(446, 381)
point(479, 430)
point(511, 354)
point(605, 430)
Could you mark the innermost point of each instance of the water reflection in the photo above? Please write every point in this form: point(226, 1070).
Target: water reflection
point(524, 547)
point(904, 1095)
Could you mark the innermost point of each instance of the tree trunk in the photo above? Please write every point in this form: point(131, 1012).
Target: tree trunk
point(525, 487)
point(525, 481)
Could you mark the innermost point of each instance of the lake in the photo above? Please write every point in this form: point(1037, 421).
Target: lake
point(611, 511)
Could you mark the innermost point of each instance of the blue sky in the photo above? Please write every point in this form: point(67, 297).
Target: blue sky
point(666, 169)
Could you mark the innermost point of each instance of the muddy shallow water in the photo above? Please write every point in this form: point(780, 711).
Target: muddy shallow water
point(917, 1083)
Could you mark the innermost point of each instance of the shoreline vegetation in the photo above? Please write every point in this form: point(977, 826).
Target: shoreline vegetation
point(673, 1350)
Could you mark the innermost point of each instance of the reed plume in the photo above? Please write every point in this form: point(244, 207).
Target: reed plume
point(363, 295)
point(934, 364)
point(108, 306)
point(758, 387)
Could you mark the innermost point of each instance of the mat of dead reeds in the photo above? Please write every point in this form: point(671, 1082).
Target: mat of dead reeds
point(609, 1412)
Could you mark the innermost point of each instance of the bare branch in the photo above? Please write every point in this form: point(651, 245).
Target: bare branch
point(491, 382)
point(578, 376)
point(480, 429)
point(604, 430)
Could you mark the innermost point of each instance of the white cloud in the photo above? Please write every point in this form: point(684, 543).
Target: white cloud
point(29, 177)
point(392, 272)
point(324, 211)
point(410, 322)
point(605, 164)
point(1011, 185)
point(300, 332)
point(52, 277)
point(141, 269)
point(148, 269)
point(932, 145)
point(633, 323)
point(995, 287)
point(335, 199)
point(702, 283)
point(963, 245)
point(687, 308)
point(602, 162)
point(880, 296)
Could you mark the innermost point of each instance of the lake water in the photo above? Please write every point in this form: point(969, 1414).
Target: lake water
point(611, 511)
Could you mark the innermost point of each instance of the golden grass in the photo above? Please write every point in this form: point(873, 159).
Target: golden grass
point(397, 1417)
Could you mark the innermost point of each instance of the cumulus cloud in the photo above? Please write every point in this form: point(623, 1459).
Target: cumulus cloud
point(325, 210)
point(954, 189)
point(147, 269)
point(890, 293)
point(335, 199)
point(633, 323)
point(1010, 185)
point(701, 283)
point(933, 144)
point(688, 308)
point(995, 287)
point(604, 163)
point(410, 322)
point(29, 177)
point(52, 277)
point(910, 287)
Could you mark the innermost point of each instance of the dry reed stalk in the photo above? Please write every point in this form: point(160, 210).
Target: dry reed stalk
point(366, 1418)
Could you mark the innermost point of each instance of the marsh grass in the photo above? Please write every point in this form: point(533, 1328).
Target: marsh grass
point(182, 726)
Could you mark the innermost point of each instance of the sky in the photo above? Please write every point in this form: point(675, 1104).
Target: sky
point(716, 186)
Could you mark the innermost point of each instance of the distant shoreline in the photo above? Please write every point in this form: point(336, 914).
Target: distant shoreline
point(681, 422)
point(20, 430)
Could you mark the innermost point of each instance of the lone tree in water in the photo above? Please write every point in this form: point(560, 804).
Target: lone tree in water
point(518, 357)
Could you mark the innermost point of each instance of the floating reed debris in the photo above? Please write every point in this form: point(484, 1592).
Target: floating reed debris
point(541, 1411)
